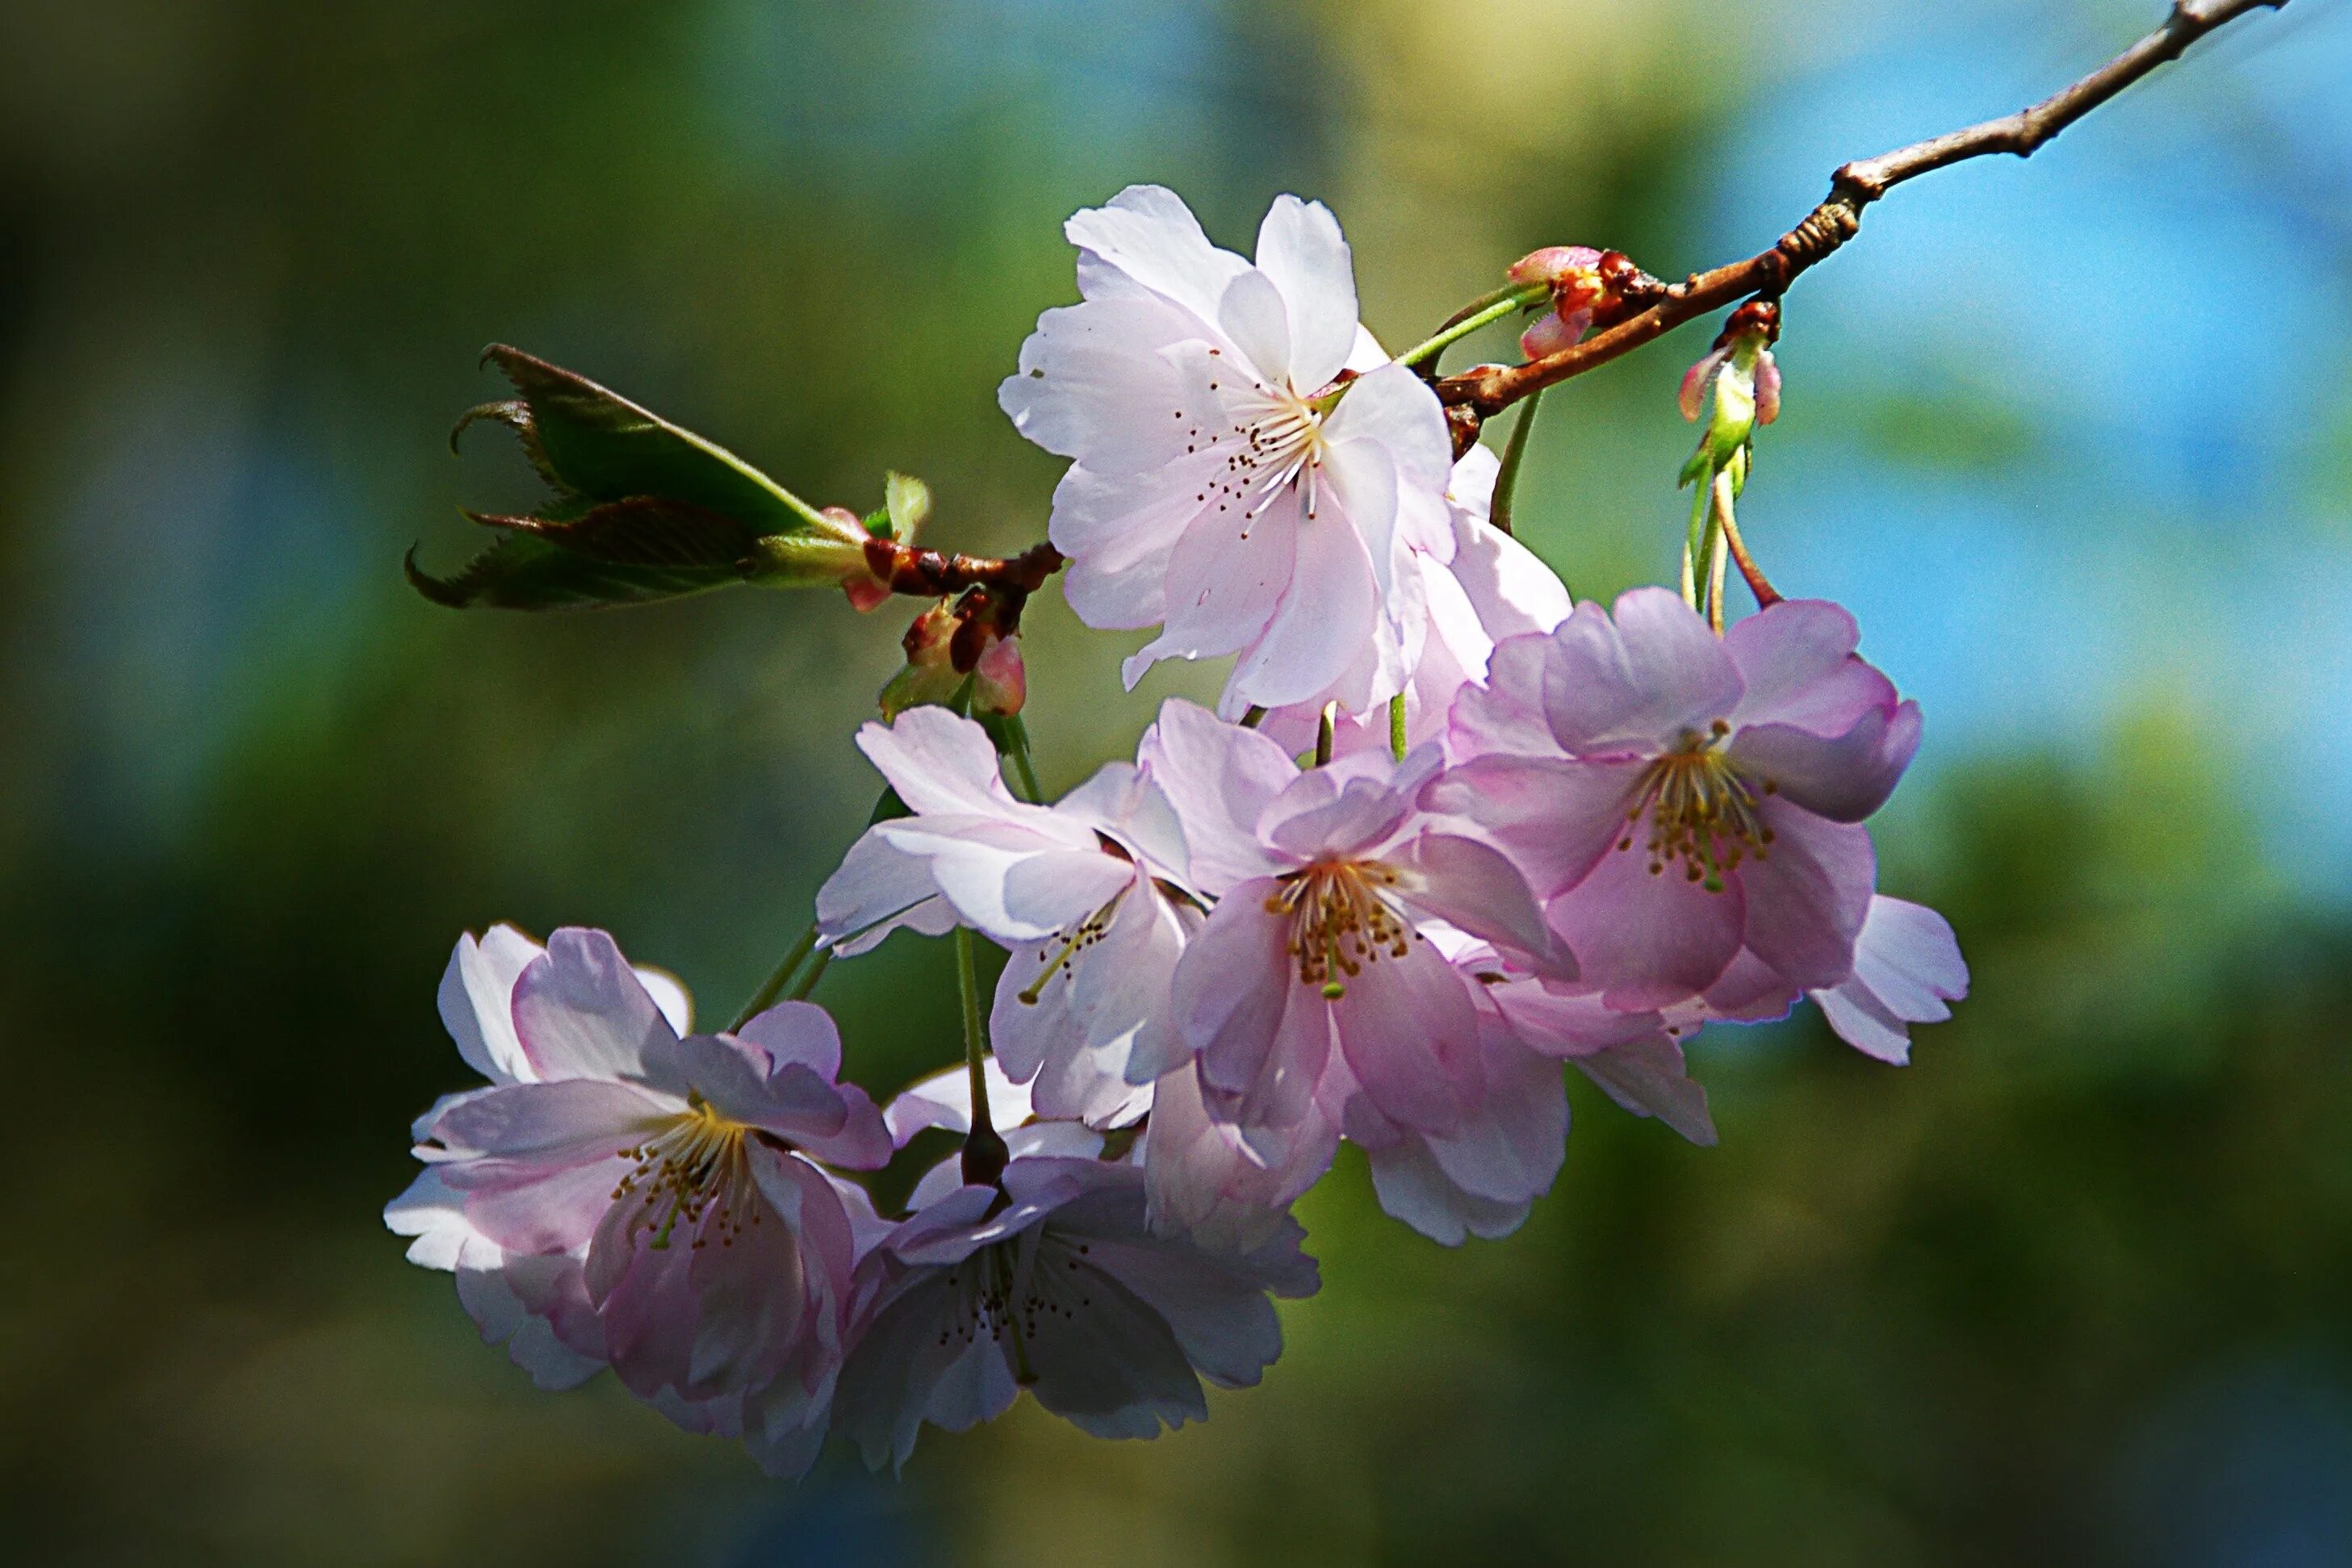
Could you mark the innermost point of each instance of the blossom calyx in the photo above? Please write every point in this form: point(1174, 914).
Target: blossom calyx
point(1746, 384)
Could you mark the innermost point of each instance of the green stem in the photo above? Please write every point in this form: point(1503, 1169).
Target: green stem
point(1396, 726)
point(807, 983)
point(1478, 313)
point(1020, 765)
point(1325, 735)
point(1515, 452)
point(1697, 539)
point(1251, 719)
point(773, 986)
point(984, 1154)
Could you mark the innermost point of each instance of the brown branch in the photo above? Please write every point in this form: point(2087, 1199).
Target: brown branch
point(1486, 391)
point(929, 574)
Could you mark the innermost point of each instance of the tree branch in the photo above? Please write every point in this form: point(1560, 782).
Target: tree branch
point(1486, 391)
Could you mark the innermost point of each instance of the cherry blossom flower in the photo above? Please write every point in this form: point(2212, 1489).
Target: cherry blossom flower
point(1493, 587)
point(1246, 469)
point(1324, 881)
point(1688, 796)
point(1075, 890)
point(1049, 1277)
point(655, 1200)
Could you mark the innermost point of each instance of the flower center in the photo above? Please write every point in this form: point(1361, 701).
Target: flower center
point(1278, 447)
point(991, 1293)
point(693, 1164)
point(1341, 921)
point(1701, 810)
point(1086, 934)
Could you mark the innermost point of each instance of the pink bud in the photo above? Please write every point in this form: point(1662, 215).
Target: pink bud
point(1554, 333)
point(1004, 683)
point(1556, 264)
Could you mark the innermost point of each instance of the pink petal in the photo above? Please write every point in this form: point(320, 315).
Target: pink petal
point(581, 1012)
point(1326, 613)
point(1639, 681)
point(1300, 249)
point(1650, 1079)
point(1692, 395)
point(1808, 896)
point(1225, 580)
point(1845, 778)
point(1554, 817)
point(1150, 234)
point(1411, 1037)
point(1220, 778)
point(1234, 993)
point(1797, 663)
point(1252, 317)
point(1475, 887)
point(1648, 939)
point(940, 763)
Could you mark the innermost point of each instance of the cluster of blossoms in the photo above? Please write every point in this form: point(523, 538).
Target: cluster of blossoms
point(1447, 832)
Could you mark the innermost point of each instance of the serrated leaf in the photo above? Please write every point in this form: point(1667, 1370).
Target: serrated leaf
point(527, 571)
point(643, 531)
point(599, 444)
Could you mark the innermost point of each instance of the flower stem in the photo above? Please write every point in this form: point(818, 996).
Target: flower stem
point(1325, 733)
point(1718, 556)
point(1253, 718)
point(1515, 451)
point(1018, 734)
point(984, 1154)
point(1766, 594)
point(773, 986)
point(807, 982)
point(1505, 301)
point(1396, 726)
point(1695, 543)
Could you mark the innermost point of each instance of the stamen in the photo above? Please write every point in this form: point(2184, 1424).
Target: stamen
point(1702, 811)
point(1341, 920)
point(693, 1166)
point(1086, 934)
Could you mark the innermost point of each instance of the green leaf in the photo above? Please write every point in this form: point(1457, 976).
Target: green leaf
point(597, 443)
point(526, 572)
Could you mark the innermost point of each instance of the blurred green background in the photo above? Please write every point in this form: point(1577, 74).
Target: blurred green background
point(2071, 438)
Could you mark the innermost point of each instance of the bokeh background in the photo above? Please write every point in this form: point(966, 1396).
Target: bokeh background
point(2072, 437)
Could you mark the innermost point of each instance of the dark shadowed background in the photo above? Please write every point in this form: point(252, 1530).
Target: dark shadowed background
point(2072, 437)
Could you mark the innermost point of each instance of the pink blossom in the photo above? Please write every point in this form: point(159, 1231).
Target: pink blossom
point(1078, 891)
point(654, 1199)
point(1230, 484)
point(1688, 797)
point(1324, 881)
point(1493, 587)
point(1049, 1277)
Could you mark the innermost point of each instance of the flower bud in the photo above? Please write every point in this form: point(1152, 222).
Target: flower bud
point(1576, 275)
point(1744, 381)
point(955, 640)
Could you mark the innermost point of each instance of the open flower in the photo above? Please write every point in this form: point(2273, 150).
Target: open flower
point(1049, 1279)
point(1695, 796)
point(1074, 889)
point(1324, 880)
point(1492, 588)
point(1235, 482)
point(657, 1198)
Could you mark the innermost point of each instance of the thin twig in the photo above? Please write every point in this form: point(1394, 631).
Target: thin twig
point(1490, 389)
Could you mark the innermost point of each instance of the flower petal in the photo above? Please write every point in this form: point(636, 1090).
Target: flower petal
point(1555, 818)
point(1300, 249)
point(1639, 680)
point(1647, 939)
point(580, 1011)
point(1806, 899)
point(1150, 234)
point(1843, 779)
